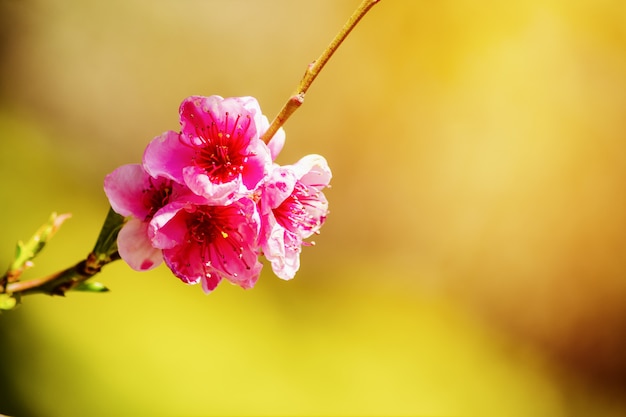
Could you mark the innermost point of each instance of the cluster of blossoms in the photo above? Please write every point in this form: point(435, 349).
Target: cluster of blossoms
point(209, 200)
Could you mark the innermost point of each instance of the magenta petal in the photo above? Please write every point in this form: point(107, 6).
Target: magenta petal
point(215, 193)
point(210, 282)
point(166, 229)
point(124, 188)
point(179, 260)
point(250, 278)
point(257, 165)
point(206, 242)
point(249, 104)
point(198, 115)
point(166, 156)
point(135, 248)
point(239, 267)
point(229, 160)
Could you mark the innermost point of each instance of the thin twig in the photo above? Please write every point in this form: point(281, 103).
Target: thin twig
point(61, 282)
point(313, 70)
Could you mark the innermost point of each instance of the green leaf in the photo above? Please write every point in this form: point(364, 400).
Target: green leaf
point(25, 252)
point(106, 245)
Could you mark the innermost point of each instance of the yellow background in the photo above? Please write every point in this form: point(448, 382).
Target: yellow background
point(474, 261)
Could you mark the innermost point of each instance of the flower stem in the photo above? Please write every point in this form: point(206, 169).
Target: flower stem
point(314, 68)
point(61, 282)
point(72, 278)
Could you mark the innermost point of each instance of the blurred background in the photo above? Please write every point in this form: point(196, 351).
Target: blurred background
point(474, 261)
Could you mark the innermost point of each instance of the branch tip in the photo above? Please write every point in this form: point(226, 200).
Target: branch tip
point(314, 68)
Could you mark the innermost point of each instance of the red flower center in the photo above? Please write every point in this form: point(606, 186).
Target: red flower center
point(216, 230)
point(302, 210)
point(222, 148)
point(156, 196)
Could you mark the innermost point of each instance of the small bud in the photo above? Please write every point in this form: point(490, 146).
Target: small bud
point(91, 286)
point(25, 252)
point(7, 302)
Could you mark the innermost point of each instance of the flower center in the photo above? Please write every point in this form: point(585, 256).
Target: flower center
point(221, 151)
point(304, 210)
point(215, 229)
point(156, 196)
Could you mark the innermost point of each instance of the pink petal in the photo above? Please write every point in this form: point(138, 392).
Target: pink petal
point(166, 230)
point(206, 242)
point(258, 164)
point(135, 247)
point(197, 113)
point(215, 193)
point(313, 170)
point(180, 260)
point(277, 141)
point(229, 159)
point(282, 249)
point(241, 268)
point(124, 188)
point(209, 283)
point(247, 280)
point(166, 156)
point(279, 185)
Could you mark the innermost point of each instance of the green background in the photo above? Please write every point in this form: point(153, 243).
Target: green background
point(473, 260)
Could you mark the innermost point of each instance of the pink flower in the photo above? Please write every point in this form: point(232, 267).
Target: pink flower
point(206, 243)
point(209, 200)
point(218, 154)
point(293, 208)
point(134, 194)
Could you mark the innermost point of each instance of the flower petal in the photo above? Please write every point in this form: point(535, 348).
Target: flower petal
point(257, 165)
point(278, 187)
point(209, 243)
point(198, 114)
point(178, 261)
point(234, 255)
point(229, 160)
point(277, 141)
point(247, 280)
point(215, 193)
point(167, 230)
point(282, 249)
point(124, 188)
point(313, 170)
point(209, 282)
point(135, 247)
point(166, 156)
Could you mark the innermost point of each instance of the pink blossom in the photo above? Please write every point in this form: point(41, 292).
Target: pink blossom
point(218, 154)
point(136, 195)
point(293, 207)
point(208, 200)
point(206, 243)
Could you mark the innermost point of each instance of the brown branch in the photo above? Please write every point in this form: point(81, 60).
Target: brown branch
point(313, 70)
point(61, 282)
